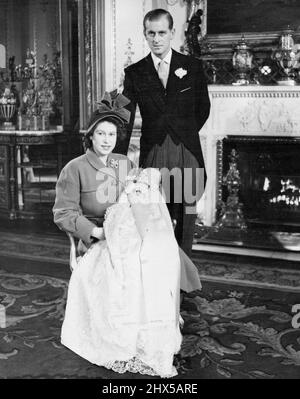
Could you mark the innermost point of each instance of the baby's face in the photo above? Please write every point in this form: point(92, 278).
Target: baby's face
point(150, 177)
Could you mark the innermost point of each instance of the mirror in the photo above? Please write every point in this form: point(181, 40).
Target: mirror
point(261, 22)
point(238, 16)
point(31, 34)
point(41, 60)
point(30, 24)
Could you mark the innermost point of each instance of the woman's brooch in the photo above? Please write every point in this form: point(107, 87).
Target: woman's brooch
point(113, 163)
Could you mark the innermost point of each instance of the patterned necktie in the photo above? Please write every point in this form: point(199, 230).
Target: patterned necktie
point(162, 71)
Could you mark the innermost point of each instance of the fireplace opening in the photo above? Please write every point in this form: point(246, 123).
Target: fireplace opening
point(269, 170)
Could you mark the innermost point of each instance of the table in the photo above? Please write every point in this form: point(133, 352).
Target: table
point(20, 188)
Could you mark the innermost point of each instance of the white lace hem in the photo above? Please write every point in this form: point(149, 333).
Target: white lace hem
point(135, 365)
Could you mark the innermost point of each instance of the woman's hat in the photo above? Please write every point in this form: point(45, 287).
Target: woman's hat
point(111, 105)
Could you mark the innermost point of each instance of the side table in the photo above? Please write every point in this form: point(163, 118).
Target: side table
point(22, 182)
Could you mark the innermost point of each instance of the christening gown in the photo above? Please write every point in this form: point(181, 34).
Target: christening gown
point(122, 309)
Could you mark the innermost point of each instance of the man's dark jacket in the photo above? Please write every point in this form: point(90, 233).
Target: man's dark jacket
point(180, 110)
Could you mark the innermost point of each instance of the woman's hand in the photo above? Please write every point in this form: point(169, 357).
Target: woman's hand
point(98, 233)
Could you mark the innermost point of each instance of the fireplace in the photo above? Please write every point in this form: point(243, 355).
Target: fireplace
point(262, 123)
point(269, 169)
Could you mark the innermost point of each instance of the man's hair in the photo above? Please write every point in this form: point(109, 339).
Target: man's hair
point(157, 14)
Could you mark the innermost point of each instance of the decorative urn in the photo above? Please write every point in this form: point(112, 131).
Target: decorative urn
point(242, 62)
point(287, 56)
point(8, 108)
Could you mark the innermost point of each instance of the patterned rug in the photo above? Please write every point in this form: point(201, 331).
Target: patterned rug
point(224, 268)
point(37, 247)
point(230, 331)
point(243, 270)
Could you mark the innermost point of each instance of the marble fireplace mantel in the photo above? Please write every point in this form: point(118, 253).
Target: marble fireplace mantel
point(245, 111)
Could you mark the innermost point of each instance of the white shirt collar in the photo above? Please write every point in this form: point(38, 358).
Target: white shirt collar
point(157, 60)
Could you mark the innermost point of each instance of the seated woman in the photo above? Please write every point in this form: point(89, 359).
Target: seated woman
point(90, 183)
point(123, 300)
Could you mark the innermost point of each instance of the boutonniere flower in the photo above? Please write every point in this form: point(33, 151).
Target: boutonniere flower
point(180, 72)
point(113, 163)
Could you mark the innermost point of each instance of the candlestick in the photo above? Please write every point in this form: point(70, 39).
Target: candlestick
point(20, 120)
point(43, 122)
point(35, 124)
point(28, 123)
point(232, 215)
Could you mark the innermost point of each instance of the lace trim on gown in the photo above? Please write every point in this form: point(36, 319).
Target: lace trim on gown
point(161, 358)
point(133, 365)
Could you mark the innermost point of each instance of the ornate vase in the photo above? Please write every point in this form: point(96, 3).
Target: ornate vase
point(7, 112)
point(242, 62)
point(8, 108)
point(287, 58)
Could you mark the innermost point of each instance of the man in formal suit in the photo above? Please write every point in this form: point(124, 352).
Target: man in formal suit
point(171, 92)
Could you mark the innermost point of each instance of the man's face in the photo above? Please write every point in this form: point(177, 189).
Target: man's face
point(159, 36)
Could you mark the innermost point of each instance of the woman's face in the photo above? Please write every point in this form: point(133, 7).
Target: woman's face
point(104, 138)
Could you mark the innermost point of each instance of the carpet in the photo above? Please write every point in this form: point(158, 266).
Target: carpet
point(239, 332)
point(258, 238)
point(268, 273)
point(230, 331)
point(249, 271)
point(35, 246)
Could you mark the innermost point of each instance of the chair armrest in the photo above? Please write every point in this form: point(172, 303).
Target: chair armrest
point(73, 256)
